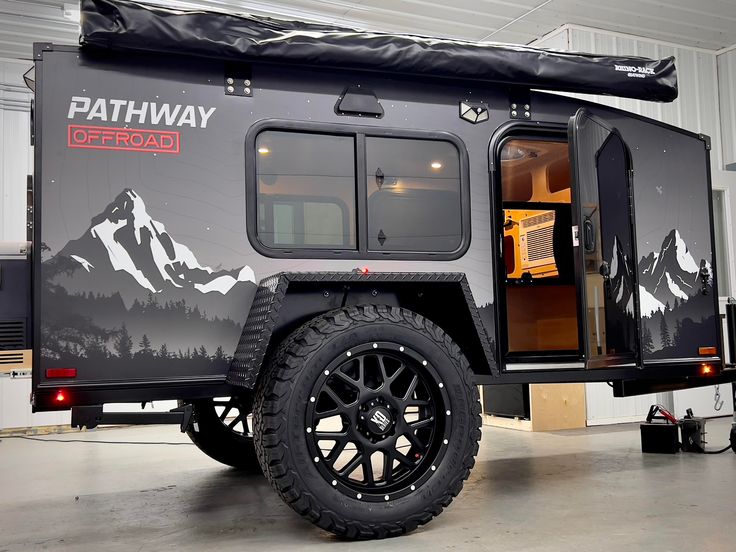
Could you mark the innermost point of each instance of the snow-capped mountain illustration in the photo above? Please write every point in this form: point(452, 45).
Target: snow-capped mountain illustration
point(127, 240)
point(126, 275)
point(668, 276)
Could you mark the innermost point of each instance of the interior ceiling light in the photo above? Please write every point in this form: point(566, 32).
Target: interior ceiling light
point(436, 165)
point(515, 152)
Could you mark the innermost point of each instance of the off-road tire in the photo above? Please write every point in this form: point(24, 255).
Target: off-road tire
point(218, 442)
point(283, 390)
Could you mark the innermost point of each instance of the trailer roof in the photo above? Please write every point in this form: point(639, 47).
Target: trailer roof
point(128, 25)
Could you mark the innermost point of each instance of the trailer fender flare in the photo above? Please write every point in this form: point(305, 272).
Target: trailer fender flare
point(286, 300)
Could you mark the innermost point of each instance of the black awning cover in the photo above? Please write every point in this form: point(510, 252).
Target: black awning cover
point(129, 25)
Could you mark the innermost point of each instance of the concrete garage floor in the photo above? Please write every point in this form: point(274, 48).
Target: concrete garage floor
point(576, 490)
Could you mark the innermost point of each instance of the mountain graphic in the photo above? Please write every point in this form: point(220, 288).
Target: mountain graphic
point(125, 251)
point(668, 276)
point(621, 278)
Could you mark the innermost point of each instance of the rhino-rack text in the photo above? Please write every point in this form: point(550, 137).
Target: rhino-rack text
point(635, 71)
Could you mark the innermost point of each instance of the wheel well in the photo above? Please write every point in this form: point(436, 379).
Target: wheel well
point(295, 299)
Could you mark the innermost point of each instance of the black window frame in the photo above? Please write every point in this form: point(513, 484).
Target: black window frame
point(359, 134)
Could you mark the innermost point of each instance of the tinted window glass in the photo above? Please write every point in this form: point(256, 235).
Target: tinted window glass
point(306, 190)
point(413, 195)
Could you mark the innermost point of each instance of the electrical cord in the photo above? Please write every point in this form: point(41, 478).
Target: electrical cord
point(717, 451)
point(28, 438)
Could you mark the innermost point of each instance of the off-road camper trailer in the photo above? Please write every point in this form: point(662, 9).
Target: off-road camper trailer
point(345, 233)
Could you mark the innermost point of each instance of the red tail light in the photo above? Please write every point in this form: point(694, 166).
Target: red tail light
point(61, 372)
point(60, 397)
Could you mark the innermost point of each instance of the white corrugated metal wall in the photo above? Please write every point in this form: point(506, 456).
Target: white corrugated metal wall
point(697, 109)
point(727, 88)
point(15, 152)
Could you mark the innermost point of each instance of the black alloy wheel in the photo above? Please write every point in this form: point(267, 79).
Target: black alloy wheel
point(376, 421)
point(222, 428)
point(367, 421)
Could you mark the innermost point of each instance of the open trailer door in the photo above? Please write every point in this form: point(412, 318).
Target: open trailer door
point(603, 237)
point(646, 242)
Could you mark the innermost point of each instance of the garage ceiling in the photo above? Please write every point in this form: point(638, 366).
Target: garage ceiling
point(709, 24)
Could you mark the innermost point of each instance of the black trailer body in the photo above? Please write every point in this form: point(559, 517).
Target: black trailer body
point(321, 236)
point(147, 182)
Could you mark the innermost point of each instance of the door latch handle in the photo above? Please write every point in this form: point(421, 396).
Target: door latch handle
point(588, 236)
point(379, 178)
point(704, 277)
point(605, 271)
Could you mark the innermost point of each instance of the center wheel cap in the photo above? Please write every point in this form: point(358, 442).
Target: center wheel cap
point(379, 420)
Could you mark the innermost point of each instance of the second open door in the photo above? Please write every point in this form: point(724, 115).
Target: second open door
point(604, 242)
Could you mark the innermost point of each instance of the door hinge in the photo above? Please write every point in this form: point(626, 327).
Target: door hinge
point(238, 80)
point(705, 138)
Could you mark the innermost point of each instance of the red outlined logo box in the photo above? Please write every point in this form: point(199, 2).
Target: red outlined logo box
point(126, 139)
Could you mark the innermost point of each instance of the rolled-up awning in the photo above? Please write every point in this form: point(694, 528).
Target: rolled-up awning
point(128, 25)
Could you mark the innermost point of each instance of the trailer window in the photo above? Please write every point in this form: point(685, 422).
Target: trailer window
point(306, 190)
point(413, 188)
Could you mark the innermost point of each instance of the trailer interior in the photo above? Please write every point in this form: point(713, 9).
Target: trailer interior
point(536, 212)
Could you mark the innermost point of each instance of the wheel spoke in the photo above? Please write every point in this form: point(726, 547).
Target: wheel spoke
point(416, 402)
point(360, 382)
point(368, 471)
point(225, 412)
point(388, 466)
point(412, 387)
point(351, 466)
point(347, 379)
point(414, 440)
point(417, 424)
point(334, 435)
point(234, 422)
point(336, 451)
point(334, 396)
point(402, 459)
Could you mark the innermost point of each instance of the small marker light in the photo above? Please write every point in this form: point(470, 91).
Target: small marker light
point(60, 397)
point(706, 369)
point(364, 270)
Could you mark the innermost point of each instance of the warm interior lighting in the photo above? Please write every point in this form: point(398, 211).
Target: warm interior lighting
point(263, 150)
point(60, 397)
point(436, 165)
